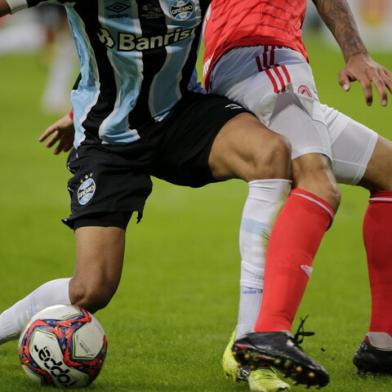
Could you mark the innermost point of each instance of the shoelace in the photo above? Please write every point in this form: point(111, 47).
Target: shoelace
point(299, 336)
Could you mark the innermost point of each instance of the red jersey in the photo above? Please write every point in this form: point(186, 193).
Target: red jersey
point(237, 23)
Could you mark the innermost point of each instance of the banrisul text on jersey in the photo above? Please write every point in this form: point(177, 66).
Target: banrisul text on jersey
point(127, 48)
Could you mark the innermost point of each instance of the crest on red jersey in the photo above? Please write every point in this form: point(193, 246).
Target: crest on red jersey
point(305, 90)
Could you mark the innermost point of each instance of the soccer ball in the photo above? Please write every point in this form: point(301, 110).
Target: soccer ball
point(63, 346)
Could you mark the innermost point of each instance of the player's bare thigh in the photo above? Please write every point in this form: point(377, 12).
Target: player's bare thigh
point(99, 261)
point(302, 121)
point(360, 156)
point(246, 149)
point(378, 174)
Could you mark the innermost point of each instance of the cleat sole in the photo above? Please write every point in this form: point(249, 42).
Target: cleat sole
point(288, 364)
point(296, 371)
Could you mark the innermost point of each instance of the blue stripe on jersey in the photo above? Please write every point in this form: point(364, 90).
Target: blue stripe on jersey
point(86, 95)
point(127, 68)
point(105, 105)
point(165, 89)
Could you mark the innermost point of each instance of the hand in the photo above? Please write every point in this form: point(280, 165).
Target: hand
point(61, 131)
point(367, 72)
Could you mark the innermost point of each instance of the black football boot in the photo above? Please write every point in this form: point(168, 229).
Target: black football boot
point(281, 351)
point(369, 359)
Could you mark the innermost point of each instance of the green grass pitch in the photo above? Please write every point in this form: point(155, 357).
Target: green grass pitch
point(177, 303)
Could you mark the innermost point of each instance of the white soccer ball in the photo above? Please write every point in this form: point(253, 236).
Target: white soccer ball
point(63, 346)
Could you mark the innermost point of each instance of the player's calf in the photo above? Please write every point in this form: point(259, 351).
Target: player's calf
point(375, 353)
point(100, 253)
point(90, 297)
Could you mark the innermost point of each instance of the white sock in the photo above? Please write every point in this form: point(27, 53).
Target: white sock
point(14, 319)
point(250, 301)
point(263, 203)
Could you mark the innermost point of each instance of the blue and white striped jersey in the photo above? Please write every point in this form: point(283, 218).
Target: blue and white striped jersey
point(137, 60)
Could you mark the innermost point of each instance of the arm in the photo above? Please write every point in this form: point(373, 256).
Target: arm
point(338, 17)
point(359, 65)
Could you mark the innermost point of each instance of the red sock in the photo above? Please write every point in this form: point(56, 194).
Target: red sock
point(294, 241)
point(377, 232)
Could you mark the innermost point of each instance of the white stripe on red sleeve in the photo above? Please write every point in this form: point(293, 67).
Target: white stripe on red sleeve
point(16, 5)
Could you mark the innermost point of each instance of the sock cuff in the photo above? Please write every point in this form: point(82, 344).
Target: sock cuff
point(380, 197)
point(272, 190)
point(314, 199)
point(269, 181)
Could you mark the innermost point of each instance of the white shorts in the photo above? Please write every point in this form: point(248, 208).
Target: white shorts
point(285, 99)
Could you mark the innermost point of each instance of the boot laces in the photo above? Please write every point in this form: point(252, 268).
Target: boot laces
point(300, 334)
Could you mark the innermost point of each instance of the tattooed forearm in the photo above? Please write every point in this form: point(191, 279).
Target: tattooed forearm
point(339, 19)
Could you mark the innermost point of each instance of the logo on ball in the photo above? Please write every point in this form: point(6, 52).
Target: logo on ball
point(57, 369)
point(63, 346)
point(86, 190)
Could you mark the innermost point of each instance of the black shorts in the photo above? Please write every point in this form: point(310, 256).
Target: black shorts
point(112, 181)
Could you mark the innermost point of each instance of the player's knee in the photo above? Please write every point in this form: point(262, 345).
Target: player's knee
point(272, 158)
point(331, 193)
point(91, 296)
point(321, 187)
point(313, 173)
